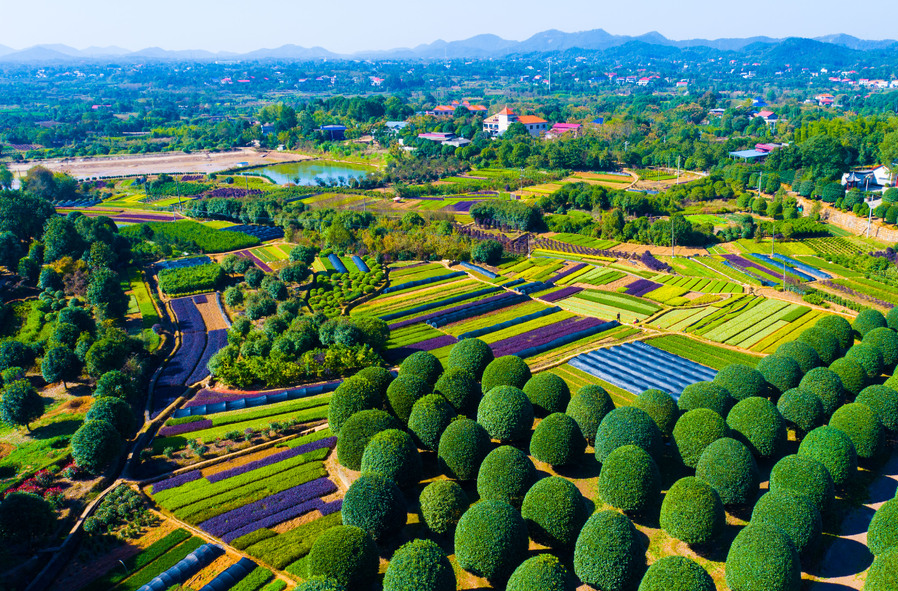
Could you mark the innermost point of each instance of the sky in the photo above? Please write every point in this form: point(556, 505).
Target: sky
point(346, 26)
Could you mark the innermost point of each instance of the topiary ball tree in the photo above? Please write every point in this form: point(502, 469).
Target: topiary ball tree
point(442, 503)
point(892, 319)
point(882, 535)
point(491, 540)
point(805, 476)
point(555, 512)
point(95, 444)
point(706, 395)
point(608, 554)
point(461, 389)
point(506, 474)
point(860, 423)
point(676, 573)
point(802, 353)
point(424, 365)
point(823, 341)
point(630, 480)
point(358, 431)
point(393, 454)
point(867, 321)
point(375, 504)
point(353, 395)
point(763, 557)
point(506, 413)
point(429, 418)
point(346, 555)
point(869, 358)
point(883, 573)
point(116, 412)
point(28, 517)
point(627, 425)
point(463, 445)
point(826, 385)
point(695, 431)
point(588, 408)
point(780, 373)
point(402, 394)
point(884, 340)
point(661, 407)
point(801, 410)
point(472, 355)
point(851, 373)
point(548, 393)
point(419, 565)
point(884, 402)
point(840, 328)
point(505, 371)
point(758, 423)
point(741, 381)
point(834, 449)
point(541, 573)
point(728, 466)
point(557, 440)
point(794, 514)
point(692, 511)
point(380, 377)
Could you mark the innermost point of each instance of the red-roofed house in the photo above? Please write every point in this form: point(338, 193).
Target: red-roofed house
point(559, 129)
point(497, 124)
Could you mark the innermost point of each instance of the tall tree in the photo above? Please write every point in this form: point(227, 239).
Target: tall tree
point(888, 153)
point(20, 405)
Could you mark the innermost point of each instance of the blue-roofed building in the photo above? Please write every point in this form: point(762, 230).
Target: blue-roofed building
point(753, 155)
point(333, 132)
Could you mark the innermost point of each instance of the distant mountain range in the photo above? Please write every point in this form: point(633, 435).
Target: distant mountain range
point(479, 46)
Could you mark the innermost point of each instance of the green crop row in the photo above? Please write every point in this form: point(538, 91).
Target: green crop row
point(618, 300)
point(603, 311)
point(139, 560)
point(787, 333)
point(159, 566)
point(254, 580)
point(704, 353)
point(278, 408)
point(526, 327)
point(283, 549)
point(494, 318)
point(415, 334)
point(416, 296)
point(729, 272)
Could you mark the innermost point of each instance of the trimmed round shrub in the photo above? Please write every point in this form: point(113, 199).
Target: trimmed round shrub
point(780, 373)
point(608, 554)
point(851, 373)
point(375, 504)
point(393, 454)
point(463, 445)
point(557, 440)
point(402, 394)
point(728, 466)
point(443, 502)
point(884, 402)
point(741, 381)
point(823, 341)
point(802, 353)
point(419, 565)
point(882, 534)
point(461, 389)
point(505, 371)
point(661, 407)
point(840, 328)
point(320, 585)
point(472, 355)
point(763, 557)
point(346, 555)
point(506, 474)
point(869, 358)
point(706, 395)
point(116, 412)
point(506, 413)
point(541, 573)
point(548, 393)
point(860, 423)
point(491, 540)
point(627, 425)
point(695, 431)
point(676, 573)
point(358, 431)
point(95, 444)
point(378, 376)
point(422, 364)
point(430, 417)
point(834, 449)
point(827, 386)
point(805, 476)
point(883, 573)
point(758, 423)
point(692, 511)
point(353, 395)
point(630, 480)
point(885, 340)
point(794, 514)
point(801, 409)
point(555, 512)
point(868, 320)
point(892, 319)
point(588, 408)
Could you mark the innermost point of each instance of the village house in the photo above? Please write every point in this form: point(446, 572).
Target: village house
point(497, 124)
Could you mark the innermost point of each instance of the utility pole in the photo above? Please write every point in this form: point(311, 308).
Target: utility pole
point(678, 169)
point(673, 238)
point(869, 209)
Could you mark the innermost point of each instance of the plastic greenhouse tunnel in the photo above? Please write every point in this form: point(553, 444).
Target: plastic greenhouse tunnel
point(186, 568)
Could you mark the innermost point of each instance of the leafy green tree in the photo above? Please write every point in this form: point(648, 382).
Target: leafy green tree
point(115, 384)
point(95, 444)
point(60, 365)
point(303, 254)
point(24, 214)
point(487, 251)
point(6, 178)
point(21, 404)
point(105, 292)
point(25, 516)
point(28, 270)
point(888, 152)
point(61, 239)
point(10, 250)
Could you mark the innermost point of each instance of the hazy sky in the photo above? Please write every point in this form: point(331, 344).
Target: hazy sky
point(352, 25)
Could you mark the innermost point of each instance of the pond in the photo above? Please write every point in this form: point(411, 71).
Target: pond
point(315, 172)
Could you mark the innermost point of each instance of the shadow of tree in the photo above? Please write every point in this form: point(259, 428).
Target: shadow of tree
point(62, 428)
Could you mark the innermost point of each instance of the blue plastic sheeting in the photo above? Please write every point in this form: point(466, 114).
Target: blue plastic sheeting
point(637, 367)
point(192, 564)
point(337, 263)
point(803, 266)
point(476, 309)
point(261, 232)
point(763, 281)
point(211, 409)
point(473, 334)
point(560, 342)
point(479, 269)
point(230, 577)
point(767, 259)
point(440, 303)
point(513, 283)
point(533, 287)
point(360, 264)
point(408, 284)
point(181, 263)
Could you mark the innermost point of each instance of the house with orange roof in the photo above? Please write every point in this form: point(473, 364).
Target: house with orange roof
point(497, 124)
point(448, 111)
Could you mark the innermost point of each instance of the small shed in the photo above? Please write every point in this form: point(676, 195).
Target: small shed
point(333, 132)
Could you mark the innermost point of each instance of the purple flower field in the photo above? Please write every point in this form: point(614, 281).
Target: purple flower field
point(542, 335)
point(461, 206)
point(189, 318)
point(332, 507)
point(561, 294)
point(172, 430)
point(567, 272)
point(181, 365)
point(176, 481)
point(285, 515)
point(256, 260)
point(744, 263)
point(432, 315)
point(641, 287)
point(215, 340)
point(214, 397)
point(428, 345)
point(274, 458)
